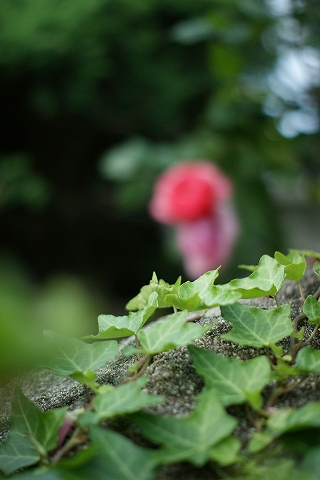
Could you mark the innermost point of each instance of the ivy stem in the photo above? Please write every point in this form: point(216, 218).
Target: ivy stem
point(302, 315)
point(276, 300)
point(268, 354)
point(87, 392)
point(143, 364)
point(78, 437)
point(301, 345)
point(278, 392)
point(195, 316)
point(301, 292)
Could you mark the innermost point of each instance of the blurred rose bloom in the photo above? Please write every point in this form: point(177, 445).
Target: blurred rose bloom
point(195, 198)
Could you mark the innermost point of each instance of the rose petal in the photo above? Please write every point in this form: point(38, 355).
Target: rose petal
point(188, 191)
point(207, 243)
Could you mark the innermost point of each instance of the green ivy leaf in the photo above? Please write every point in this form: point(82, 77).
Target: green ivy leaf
point(33, 433)
point(308, 360)
point(121, 400)
point(294, 264)
point(202, 294)
point(307, 253)
point(265, 280)
point(75, 358)
point(173, 332)
point(232, 379)
point(191, 438)
point(255, 327)
point(111, 326)
point(161, 287)
point(316, 269)
point(311, 308)
point(226, 452)
point(285, 420)
point(119, 458)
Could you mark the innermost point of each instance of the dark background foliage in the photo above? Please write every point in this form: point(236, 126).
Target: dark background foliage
point(99, 96)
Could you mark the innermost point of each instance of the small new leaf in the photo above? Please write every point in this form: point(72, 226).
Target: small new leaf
point(173, 332)
point(111, 326)
point(231, 379)
point(311, 308)
point(202, 294)
point(255, 327)
point(161, 287)
point(286, 420)
point(294, 264)
point(75, 358)
point(191, 438)
point(121, 400)
point(33, 433)
point(265, 280)
point(308, 360)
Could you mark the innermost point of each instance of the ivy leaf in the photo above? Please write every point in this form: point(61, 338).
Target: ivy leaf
point(308, 360)
point(265, 280)
point(255, 327)
point(111, 457)
point(121, 400)
point(75, 358)
point(111, 326)
point(294, 264)
point(161, 287)
point(285, 420)
point(226, 452)
point(311, 308)
point(307, 253)
point(232, 379)
point(316, 269)
point(202, 294)
point(33, 433)
point(118, 457)
point(191, 438)
point(173, 332)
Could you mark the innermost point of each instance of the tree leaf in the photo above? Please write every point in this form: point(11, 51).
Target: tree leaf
point(308, 360)
point(173, 332)
point(32, 434)
point(202, 294)
point(230, 378)
point(294, 264)
point(192, 438)
point(111, 326)
point(161, 287)
point(255, 327)
point(265, 280)
point(73, 357)
point(311, 308)
point(124, 399)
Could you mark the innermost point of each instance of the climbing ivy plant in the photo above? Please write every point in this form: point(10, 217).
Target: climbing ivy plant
point(62, 444)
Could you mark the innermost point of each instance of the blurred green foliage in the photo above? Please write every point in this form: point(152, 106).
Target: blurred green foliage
point(62, 304)
point(118, 90)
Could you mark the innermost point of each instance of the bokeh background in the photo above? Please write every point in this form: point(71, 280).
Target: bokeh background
point(100, 96)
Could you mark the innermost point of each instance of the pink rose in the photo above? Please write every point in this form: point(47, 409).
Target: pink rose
point(188, 191)
point(195, 198)
point(207, 243)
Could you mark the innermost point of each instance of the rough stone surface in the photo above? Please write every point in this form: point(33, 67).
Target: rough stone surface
point(172, 374)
